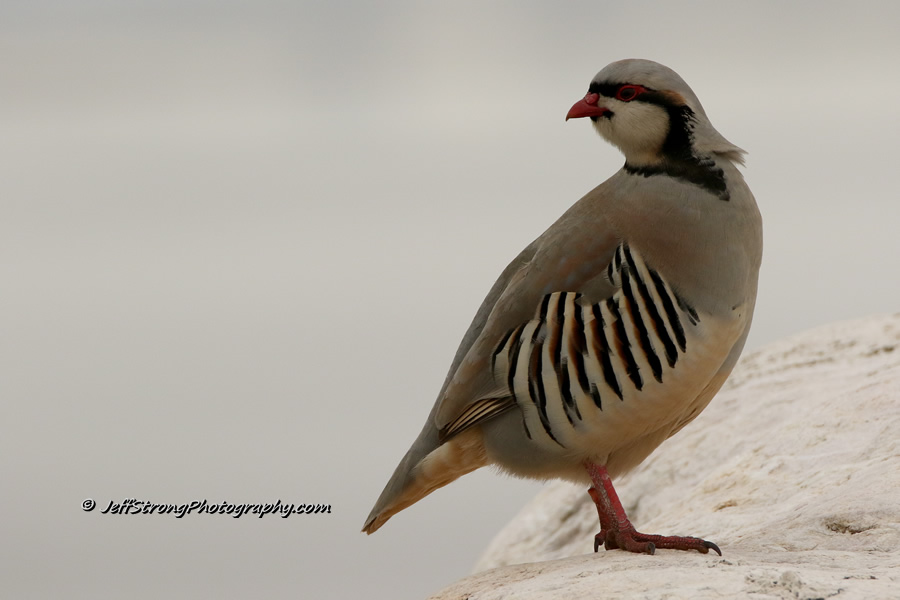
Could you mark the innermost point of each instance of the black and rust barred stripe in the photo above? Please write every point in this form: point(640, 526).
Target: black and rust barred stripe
point(623, 344)
point(594, 348)
point(578, 346)
point(669, 307)
point(536, 383)
point(637, 318)
point(601, 350)
point(659, 327)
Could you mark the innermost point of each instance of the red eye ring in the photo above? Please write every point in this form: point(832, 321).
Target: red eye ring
point(628, 92)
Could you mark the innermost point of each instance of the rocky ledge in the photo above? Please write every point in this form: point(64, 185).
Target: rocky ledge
point(793, 470)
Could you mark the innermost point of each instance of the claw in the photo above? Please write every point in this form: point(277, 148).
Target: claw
point(709, 545)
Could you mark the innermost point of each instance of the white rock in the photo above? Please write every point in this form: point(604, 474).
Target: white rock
point(793, 470)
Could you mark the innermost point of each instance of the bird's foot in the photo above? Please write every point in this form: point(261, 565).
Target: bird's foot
point(616, 531)
point(630, 540)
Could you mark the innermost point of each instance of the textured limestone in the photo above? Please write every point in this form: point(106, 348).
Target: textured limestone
point(793, 470)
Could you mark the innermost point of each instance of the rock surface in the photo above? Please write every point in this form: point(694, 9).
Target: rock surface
point(793, 470)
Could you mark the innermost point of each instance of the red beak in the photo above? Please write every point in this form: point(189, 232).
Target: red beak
point(587, 107)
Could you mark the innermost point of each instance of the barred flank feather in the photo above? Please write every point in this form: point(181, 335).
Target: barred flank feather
point(574, 357)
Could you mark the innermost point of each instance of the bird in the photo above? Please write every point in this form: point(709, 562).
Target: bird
point(615, 327)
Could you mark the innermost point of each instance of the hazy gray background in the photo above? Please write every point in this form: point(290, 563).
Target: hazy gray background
point(239, 243)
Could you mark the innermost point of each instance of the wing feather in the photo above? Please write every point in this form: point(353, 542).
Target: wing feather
point(572, 256)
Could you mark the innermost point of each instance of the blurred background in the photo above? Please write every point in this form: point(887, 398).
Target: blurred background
point(240, 242)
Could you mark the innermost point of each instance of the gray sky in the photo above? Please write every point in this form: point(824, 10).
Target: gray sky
point(241, 241)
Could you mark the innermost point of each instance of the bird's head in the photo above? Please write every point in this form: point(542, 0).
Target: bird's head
point(647, 111)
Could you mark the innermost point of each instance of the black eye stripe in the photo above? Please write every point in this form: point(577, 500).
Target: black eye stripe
point(604, 89)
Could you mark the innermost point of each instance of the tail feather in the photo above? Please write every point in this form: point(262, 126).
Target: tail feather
point(420, 473)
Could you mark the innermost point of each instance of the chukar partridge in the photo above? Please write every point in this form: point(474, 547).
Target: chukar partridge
point(614, 328)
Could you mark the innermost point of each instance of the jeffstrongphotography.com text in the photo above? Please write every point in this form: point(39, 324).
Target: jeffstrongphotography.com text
point(133, 506)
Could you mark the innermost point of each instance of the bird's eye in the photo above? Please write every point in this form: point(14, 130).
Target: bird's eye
point(627, 93)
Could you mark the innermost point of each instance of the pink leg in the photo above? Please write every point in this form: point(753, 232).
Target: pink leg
point(616, 531)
